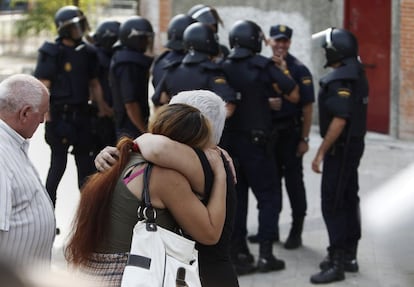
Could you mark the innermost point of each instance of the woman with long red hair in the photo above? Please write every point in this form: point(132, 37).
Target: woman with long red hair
point(107, 212)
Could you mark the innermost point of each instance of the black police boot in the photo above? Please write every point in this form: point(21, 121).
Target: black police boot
point(334, 273)
point(267, 261)
point(350, 262)
point(294, 239)
point(242, 259)
point(326, 263)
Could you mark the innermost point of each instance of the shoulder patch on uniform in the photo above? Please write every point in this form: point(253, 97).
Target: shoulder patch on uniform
point(220, 80)
point(343, 92)
point(306, 81)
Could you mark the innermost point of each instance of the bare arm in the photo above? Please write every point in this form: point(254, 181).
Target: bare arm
point(167, 153)
point(133, 110)
point(293, 96)
point(97, 95)
point(171, 154)
point(230, 108)
point(164, 99)
point(171, 190)
point(335, 128)
point(303, 146)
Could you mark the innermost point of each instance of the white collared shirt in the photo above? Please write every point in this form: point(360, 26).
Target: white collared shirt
point(27, 220)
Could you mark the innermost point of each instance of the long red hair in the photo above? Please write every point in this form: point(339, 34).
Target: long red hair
point(96, 193)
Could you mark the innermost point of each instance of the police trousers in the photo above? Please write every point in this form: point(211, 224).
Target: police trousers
point(285, 141)
point(339, 193)
point(257, 170)
point(70, 128)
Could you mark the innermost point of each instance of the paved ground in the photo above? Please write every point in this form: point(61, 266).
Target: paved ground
point(386, 253)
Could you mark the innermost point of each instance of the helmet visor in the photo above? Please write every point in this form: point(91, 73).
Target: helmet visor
point(76, 31)
point(323, 39)
point(81, 20)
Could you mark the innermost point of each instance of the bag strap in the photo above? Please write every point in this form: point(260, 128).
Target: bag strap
point(145, 192)
point(146, 208)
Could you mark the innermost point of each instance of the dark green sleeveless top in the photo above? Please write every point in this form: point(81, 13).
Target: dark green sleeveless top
point(123, 214)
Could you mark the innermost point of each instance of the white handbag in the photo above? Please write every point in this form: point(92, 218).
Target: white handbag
point(159, 257)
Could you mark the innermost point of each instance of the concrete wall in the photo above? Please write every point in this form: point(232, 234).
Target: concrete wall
point(304, 16)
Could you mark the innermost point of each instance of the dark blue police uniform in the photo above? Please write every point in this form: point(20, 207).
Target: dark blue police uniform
point(343, 93)
point(198, 75)
point(129, 76)
point(69, 69)
point(166, 60)
point(104, 127)
point(287, 133)
point(246, 137)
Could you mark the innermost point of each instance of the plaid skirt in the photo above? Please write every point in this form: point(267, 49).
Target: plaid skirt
point(106, 269)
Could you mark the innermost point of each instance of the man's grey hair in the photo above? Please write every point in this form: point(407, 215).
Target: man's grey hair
point(19, 90)
point(209, 104)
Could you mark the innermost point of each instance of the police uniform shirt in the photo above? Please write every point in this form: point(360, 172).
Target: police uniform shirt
point(344, 94)
point(69, 69)
point(256, 78)
point(167, 58)
point(302, 76)
point(195, 76)
point(129, 76)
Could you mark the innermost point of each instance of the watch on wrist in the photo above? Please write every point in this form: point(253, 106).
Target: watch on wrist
point(305, 139)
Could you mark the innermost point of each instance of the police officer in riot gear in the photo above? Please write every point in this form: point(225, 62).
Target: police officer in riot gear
point(129, 76)
point(209, 16)
point(342, 99)
point(68, 67)
point(197, 69)
point(104, 38)
point(246, 137)
point(175, 45)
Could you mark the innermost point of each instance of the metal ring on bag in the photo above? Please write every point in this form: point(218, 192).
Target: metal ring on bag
point(154, 213)
point(139, 213)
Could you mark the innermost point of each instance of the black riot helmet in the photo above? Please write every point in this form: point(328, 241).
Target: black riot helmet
point(206, 14)
point(175, 31)
point(69, 17)
point(106, 34)
point(245, 37)
point(201, 38)
point(340, 45)
point(195, 8)
point(137, 34)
